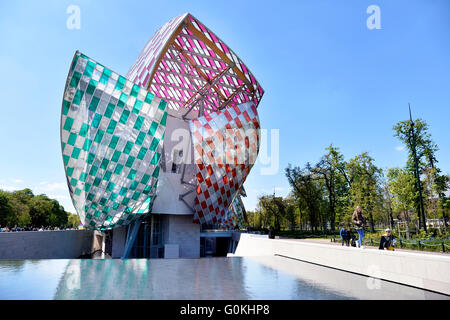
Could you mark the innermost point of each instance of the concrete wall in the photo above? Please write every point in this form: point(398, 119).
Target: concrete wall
point(427, 271)
point(169, 184)
point(169, 189)
point(65, 244)
point(119, 237)
point(178, 229)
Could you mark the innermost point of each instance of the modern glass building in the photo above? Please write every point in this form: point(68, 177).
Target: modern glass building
point(157, 157)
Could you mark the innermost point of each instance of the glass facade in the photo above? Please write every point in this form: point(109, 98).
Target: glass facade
point(112, 133)
point(149, 242)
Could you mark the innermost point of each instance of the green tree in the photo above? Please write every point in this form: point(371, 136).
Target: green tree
point(308, 191)
point(21, 212)
point(47, 212)
point(274, 208)
point(22, 208)
point(441, 186)
point(290, 211)
point(330, 169)
point(6, 212)
point(13, 211)
point(73, 220)
point(402, 186)
point(40, 210)
point(24, 196)
point(364, 191)
point(58, 216)
point(263, 216)
point(425, 153)
point(387, 201)
point(252, 217)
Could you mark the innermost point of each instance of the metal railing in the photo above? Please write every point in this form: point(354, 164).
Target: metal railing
point(420, 244)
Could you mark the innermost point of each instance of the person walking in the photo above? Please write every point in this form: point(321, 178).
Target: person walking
point(387, 241)
point(344, 237)
point(359, 220)
point(271, 233)
point(351, 237)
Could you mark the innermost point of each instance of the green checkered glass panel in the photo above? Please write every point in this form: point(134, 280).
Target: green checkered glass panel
point(112, 133)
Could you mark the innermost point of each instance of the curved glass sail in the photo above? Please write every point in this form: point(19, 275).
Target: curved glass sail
point(201, 77)
point(226, 144)
point(112, 133)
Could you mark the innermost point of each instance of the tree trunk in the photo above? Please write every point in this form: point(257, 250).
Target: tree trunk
point(444, 216)
point(277, 223)
point(407, 225)
point(391, 218)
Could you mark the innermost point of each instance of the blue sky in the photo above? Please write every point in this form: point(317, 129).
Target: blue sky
point(327, 77)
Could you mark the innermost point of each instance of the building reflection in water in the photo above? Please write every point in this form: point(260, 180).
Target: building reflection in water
point(208, 278)
point(153, 279)
point(191, 279)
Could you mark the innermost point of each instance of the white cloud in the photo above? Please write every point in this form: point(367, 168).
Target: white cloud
point(43, 187)
point(8, 188)
point(53, 186)
point(54, 190)
point(399, 148)
point(11, 184)
point(58, 197)
point(267, 191)
point(11, 180)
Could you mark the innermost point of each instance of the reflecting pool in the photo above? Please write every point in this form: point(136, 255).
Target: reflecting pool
point(207, 278)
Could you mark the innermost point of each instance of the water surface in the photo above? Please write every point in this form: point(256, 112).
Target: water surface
point(208, 278)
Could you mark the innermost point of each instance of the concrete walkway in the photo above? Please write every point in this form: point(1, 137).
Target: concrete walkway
point(415, 268)
point(338, 243)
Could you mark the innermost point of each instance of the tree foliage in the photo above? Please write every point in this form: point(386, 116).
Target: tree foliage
point(364, 190)
point(325, 195)
point(416, 137)
point(22, 208)
point(331, 169)
point(308, 191)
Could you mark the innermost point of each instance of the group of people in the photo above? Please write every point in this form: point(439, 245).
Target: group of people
point(347, 236)
point(387, 241)
point(30, 228)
